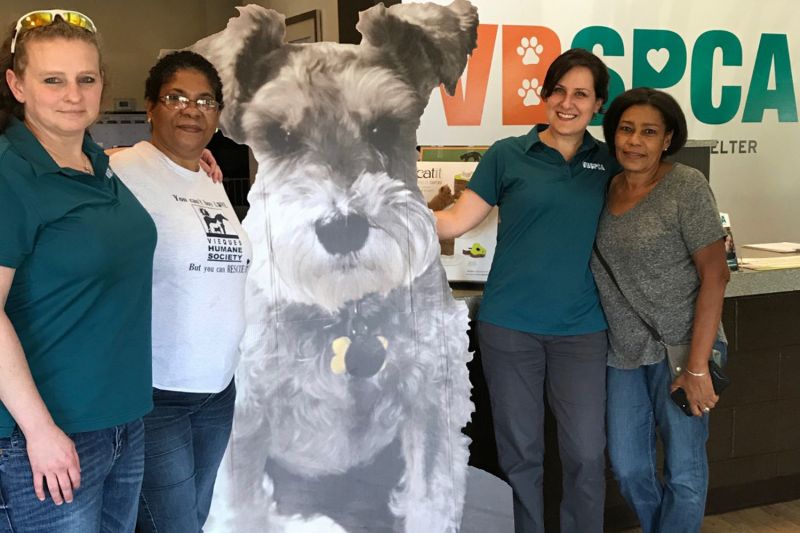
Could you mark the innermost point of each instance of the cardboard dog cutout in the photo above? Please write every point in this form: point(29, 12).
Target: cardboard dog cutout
point(352, 388)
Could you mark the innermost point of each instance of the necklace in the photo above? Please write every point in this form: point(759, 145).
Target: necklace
point(87, 164)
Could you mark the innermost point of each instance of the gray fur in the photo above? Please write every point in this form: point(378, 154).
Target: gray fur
point(333, 128)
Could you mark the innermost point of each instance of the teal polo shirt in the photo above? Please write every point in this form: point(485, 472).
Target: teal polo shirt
point(82, 249)
point(540, 280)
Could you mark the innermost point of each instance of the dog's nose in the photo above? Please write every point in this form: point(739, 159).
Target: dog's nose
point(343, 234)
point(365, 357)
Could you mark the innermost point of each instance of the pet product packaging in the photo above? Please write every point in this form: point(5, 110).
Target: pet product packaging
point(469, 257)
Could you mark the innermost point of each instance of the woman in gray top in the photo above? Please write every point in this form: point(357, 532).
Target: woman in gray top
point(661, 236)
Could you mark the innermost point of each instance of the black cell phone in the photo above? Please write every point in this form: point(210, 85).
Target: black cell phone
point(679, 397)
point(718, 380)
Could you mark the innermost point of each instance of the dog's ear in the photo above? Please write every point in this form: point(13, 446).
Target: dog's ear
point(235, 52)
point(429, 43)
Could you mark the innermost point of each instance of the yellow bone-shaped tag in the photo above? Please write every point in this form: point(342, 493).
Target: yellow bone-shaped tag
point(339, 346)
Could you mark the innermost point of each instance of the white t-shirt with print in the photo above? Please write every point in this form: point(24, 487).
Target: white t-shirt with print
point(199, 271)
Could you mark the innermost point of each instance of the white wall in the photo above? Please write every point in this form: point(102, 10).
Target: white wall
point(759, 188)
point(134, 31)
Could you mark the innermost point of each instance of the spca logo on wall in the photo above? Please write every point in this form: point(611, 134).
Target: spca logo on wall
point(659, 58)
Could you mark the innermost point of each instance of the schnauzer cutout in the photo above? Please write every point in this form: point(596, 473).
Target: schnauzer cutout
point(353, 386)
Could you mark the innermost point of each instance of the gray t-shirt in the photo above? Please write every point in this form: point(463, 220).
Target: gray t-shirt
point(649, 249)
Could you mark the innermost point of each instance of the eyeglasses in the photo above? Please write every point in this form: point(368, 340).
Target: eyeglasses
point(178, 102)
point(36, 19)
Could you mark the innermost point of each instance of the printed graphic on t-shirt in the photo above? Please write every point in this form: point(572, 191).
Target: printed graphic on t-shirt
point(225, 248)
point(215, 223)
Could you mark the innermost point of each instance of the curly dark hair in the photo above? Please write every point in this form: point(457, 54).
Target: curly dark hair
point(169, 65)
point(18, 61)
point(670, 109)
point(577, 57)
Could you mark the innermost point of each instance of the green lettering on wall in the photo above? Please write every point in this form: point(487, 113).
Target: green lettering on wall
point(702, 77)
point(659, 58)
point(611, 43)
point(773, 53)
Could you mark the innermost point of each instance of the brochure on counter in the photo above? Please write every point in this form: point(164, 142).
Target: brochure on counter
point(779, 247)
point(771, 263)
point(469, 257)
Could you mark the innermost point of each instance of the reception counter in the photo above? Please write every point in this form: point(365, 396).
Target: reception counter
point(754, 443)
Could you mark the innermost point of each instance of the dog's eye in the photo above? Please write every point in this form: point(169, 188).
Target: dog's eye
point(382, 134)
point(282, 139)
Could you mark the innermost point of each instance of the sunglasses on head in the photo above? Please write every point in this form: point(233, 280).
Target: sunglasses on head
point(45, 17)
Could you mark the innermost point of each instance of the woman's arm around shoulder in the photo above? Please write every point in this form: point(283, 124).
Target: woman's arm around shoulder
point(51, 452)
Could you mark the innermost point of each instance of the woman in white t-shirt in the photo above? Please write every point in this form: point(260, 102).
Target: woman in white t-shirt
point(199, 271)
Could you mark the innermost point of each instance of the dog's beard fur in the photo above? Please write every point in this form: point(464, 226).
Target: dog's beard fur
point(398, 248)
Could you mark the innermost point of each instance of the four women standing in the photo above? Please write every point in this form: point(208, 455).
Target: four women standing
point(541, 326)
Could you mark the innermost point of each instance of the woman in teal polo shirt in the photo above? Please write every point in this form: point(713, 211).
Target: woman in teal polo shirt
point(540, 322)
point(75, 283)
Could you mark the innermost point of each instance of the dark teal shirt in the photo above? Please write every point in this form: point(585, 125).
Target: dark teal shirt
point(540, 281)
point(82, 247)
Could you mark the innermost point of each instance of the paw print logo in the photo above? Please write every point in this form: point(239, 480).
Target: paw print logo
point(525, 60)
point(530, 92)
point(529, 50)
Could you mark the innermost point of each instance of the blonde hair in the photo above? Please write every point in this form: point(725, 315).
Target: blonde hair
point(9, 106)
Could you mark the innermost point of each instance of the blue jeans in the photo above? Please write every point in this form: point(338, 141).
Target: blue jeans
point(112, 462)
point(519, 367)
point(639, 409)
point(186, 434)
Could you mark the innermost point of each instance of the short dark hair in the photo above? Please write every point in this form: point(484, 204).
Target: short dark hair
point(670, 109)
point(169, 65)
point(577, 57)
